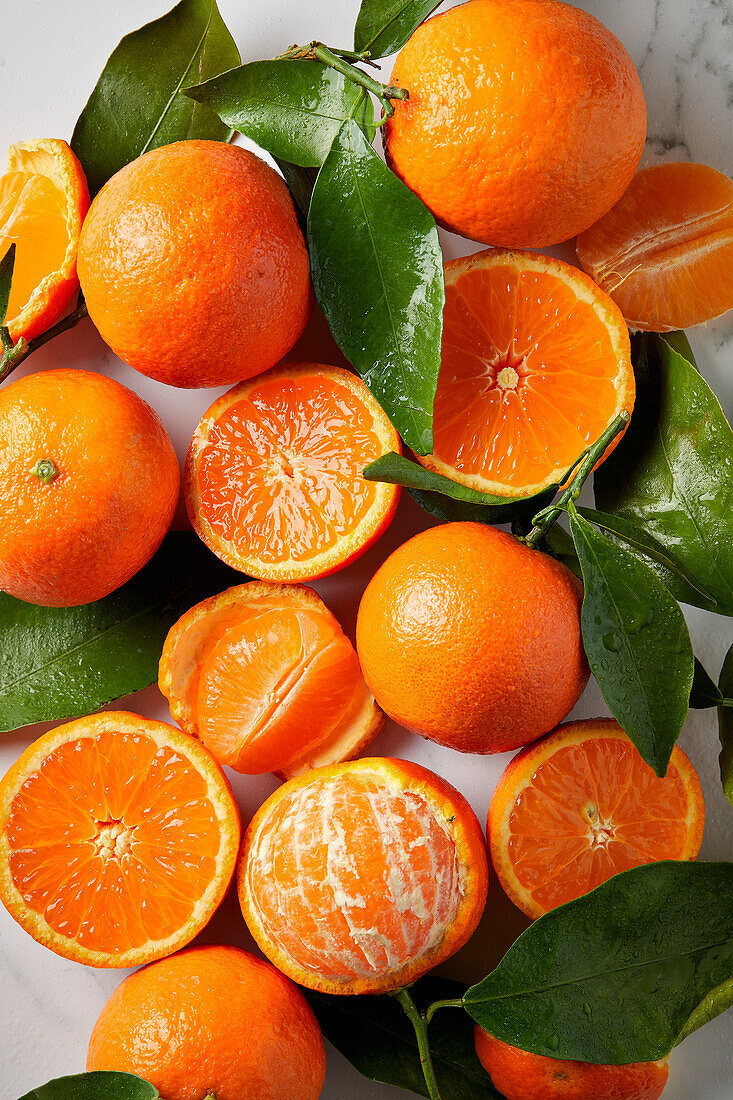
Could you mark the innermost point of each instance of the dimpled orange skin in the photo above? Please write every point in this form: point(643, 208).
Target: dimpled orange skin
point(519, 1075)
point(212, 1020)
point(90, 529)
point(471, 639)
point(193, 265)
point(525, 120)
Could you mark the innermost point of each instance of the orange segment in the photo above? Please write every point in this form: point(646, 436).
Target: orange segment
point(265, 676)
point(118, 838)
point(43, 200)
point(664, 252)
point(360, 877)
point(535, 366)
point(580, 806)
point(273, 474)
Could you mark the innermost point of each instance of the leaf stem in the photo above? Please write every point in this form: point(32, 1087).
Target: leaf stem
point(453, 1002)
point(545, 519)
point(337, 59)
point(17, 352)
point(420, 1024)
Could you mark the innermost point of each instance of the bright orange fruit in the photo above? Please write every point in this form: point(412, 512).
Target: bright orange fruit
point(265, 676)
point(664, 252)
point(535, 366)
point(273, 475)
point(519, 1075)
point(580, 806)
point(360, 877)
point(43, 200)
point(118, 839)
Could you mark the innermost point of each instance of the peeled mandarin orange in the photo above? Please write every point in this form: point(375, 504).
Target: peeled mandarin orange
point(519, 1075)
point(273, 475)
point(580, 806)
point(212, 1022)
point(265, 676)
point(471, 639)
point(118, 839)
point(525, 120)
point(43, 200)
point(535, 366)
point(360, 877)
point(193, 265)
point(664, 252)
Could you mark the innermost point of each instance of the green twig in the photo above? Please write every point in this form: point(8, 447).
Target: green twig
point(338, 60)
point(453, 1002)
point(14, 354)
point(420, 1024)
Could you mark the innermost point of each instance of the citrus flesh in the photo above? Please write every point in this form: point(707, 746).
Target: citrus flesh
point(580, 806)
point(43, 200)
point(535, 366)
point(118, 839)
point(360, 877)
point(664, 252)
point(273, 473)
point(265, 676)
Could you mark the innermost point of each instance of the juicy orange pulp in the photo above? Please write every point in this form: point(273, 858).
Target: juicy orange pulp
point(535, 365)
point(664, 252)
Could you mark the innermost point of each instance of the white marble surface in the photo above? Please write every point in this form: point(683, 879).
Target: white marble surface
point(50, 56)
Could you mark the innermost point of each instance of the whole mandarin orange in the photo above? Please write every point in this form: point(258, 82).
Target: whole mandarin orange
point(89, 483)
point(472, 639)
point(212, 1021)
point(525, 120)
point(193, 265)
point(519, 1075)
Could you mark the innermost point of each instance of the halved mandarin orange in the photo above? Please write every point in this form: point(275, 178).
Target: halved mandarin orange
point(266, 677)
point(535, 366)
point(43, 200)
point(360, 877)
point(273, 475)
point(580, 806)
point(118, 839)
point(664, 252)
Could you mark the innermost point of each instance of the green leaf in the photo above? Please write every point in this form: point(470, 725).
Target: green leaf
point(383, 26)
point(705, 692)
point(377, 271)
point(725, 725)
point(714, 1004)
point(61, 662)
point(637, 643)
point(101, 1085)
point(378, 1039)
point(294, 109)
point(6, 281)
point(616, 975)
point(559, 544)
point(672, 473)
point(136, 104)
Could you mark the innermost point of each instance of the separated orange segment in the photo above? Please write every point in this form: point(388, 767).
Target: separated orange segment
point(664, 252)
point(535, 366)
point(360, 877)
point(581, 806)
point(273, 474)
point(118, 839)
point(43, 200)
point(265, 676)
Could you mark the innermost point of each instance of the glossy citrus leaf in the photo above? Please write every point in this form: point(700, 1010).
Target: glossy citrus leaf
point(725, 725)
point(101, 1085)
point(383, 26)
point(137, 103)
point(705, 692)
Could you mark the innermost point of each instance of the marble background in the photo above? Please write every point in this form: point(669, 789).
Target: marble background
point(50, 56)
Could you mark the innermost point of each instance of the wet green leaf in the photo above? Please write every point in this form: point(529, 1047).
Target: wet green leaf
point(60, 662)
point(705, 692)
point(616, 975)
point(136, 104)
point(101, 1085)
point(294, 109)
point(383, 26)
point(637, 643)
point(725, 725)
point(672, 473)
point(301, 182)
point(377, 271)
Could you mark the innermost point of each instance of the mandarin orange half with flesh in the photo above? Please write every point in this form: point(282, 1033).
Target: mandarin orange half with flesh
point(664, 252)
point(266, 677)
point(212, 1022)
point(535, 366)
point(360, 877)
point(580, 806)
point(273, 477)
point(118, 839)
point(43, 200)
